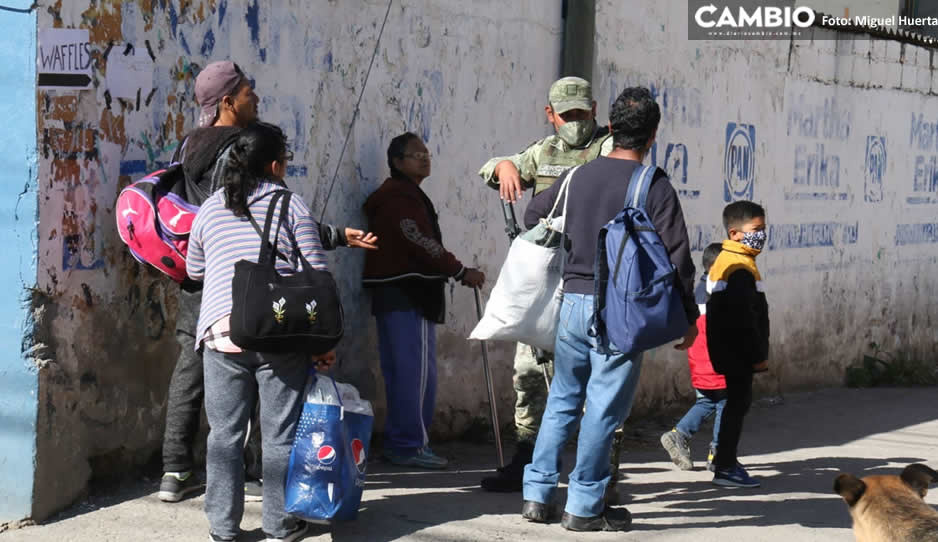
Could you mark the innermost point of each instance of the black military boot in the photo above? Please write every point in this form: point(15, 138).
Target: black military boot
point(509, 477)
point(611, 495)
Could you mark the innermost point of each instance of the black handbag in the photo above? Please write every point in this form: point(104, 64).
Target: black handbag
point(283, 313)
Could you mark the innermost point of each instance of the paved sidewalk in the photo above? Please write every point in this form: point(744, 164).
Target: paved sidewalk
point(796, 447)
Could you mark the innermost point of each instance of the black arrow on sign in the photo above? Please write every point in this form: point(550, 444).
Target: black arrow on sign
point(64, 80)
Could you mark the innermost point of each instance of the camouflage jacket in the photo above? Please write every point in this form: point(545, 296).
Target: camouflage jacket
point(544, 161)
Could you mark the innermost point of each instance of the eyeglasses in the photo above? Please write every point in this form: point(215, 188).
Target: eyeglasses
point(419, 155)
point(287, 156)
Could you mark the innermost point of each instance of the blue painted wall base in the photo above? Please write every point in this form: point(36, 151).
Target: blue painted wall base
point(18, 230)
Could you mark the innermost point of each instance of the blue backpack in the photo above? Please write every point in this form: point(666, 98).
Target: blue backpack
point(638, 302)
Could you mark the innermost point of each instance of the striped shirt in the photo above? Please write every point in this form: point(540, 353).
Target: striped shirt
point(219, 239)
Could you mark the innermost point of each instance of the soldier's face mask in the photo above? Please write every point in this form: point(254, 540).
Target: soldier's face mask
point(577, 132)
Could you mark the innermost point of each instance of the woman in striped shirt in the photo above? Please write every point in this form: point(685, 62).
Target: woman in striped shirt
point(235, 379)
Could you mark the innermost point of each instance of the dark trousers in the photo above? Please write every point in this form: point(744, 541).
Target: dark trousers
point(738, 400)
point(186, 392)
point(186, 389)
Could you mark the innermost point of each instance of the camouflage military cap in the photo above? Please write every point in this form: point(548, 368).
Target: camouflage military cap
point(570, 93)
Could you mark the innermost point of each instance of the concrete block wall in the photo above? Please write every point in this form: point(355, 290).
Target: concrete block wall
point(836, 138)
point(456, 74)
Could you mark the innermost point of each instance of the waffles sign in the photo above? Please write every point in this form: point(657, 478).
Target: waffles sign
point(64, 59)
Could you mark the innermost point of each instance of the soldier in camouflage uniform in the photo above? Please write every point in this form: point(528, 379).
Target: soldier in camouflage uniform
point(577, 140)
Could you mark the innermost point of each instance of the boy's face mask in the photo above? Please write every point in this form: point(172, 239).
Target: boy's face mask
point(754, 239)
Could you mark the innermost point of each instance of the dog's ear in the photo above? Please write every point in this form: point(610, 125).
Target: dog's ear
point(850, 488)
point(918, 477)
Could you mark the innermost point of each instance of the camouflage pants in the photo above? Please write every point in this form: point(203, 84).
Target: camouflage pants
point(531, 400)
point(530, 391)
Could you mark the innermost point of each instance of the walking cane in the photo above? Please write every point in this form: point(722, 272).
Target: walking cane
point(490, 386)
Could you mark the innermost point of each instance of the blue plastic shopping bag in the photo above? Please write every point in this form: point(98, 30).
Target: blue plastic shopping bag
point(328, 463)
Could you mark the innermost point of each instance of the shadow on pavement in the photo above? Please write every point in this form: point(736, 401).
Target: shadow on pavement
point(395, 517)
point(835, 417)
point(814, 476)
point(111, 494)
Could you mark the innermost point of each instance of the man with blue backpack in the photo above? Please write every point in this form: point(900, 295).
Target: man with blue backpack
point(624, 223)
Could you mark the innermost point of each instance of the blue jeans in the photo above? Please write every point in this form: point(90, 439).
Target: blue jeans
point(708, 402)
point(606, 384)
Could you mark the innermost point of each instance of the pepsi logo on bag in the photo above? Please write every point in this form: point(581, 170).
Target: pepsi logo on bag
point(358, 453)
point(325, 455)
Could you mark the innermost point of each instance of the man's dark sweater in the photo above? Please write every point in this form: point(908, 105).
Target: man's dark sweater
point(597, 194)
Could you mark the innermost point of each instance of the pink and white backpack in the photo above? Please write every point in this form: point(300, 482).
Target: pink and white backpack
point(154, 220)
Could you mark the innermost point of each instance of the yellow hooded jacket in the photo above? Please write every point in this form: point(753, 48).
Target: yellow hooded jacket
point(737, 311)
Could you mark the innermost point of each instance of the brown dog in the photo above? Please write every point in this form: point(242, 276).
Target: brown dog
point(891, 508)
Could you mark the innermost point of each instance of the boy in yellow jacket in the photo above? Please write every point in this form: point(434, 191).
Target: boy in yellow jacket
point(737, 330)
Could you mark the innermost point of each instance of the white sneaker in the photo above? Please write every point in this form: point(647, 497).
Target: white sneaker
point(296, 534)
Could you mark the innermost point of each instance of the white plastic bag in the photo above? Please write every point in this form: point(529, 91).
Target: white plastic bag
point(525, 303)
point(323, 391)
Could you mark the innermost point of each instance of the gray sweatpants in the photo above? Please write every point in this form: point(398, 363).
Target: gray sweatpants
point(233, 385)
